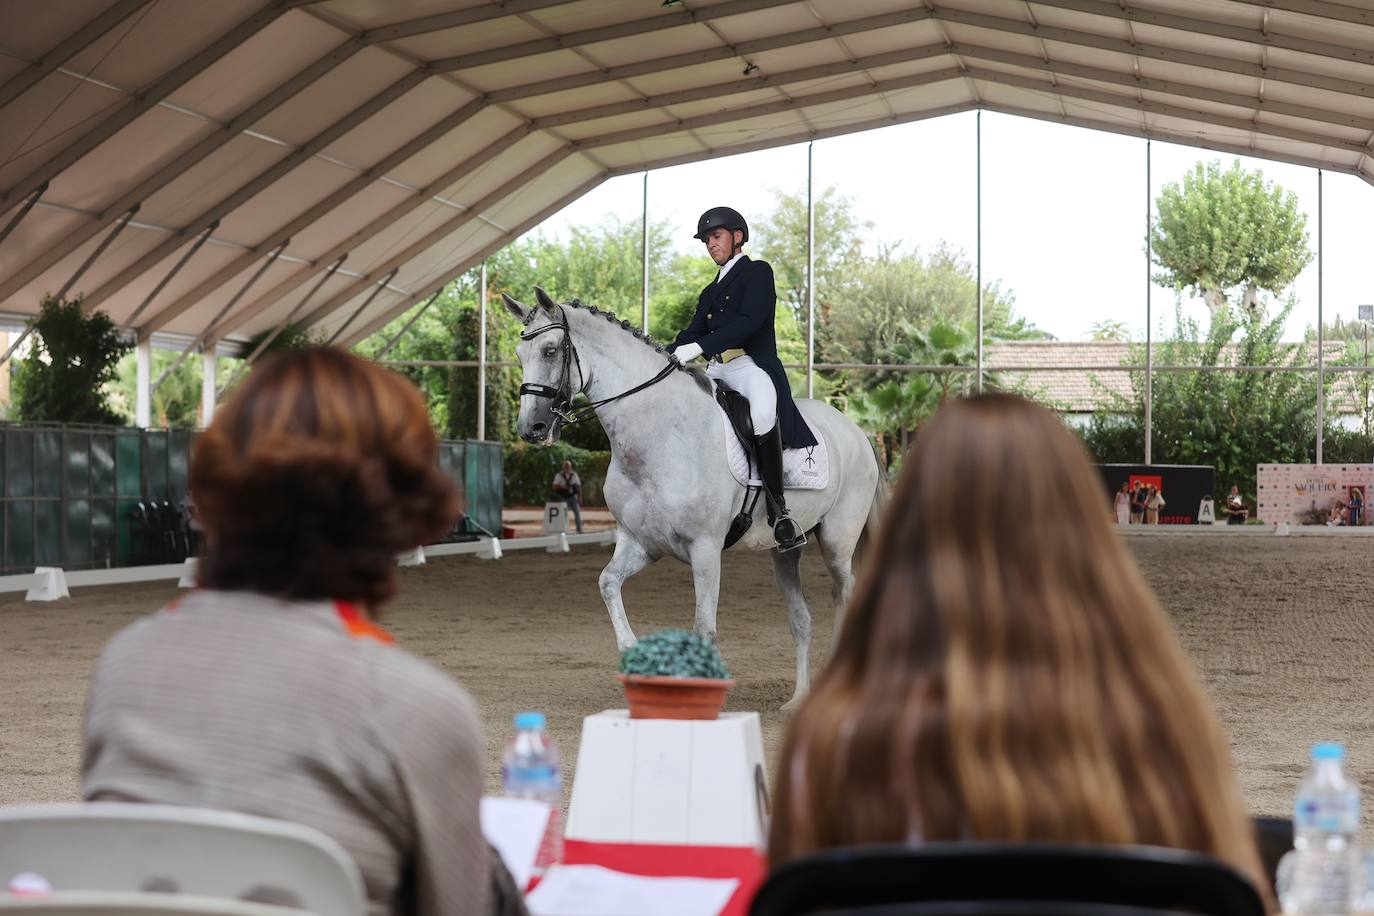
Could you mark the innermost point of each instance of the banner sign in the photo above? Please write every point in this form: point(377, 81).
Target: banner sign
point(1183, 486)
point(1313, 494)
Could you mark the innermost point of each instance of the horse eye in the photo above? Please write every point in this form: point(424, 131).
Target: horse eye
point(549, 352)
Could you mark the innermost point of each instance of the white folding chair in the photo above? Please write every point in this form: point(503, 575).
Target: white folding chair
point(116, 846)
point(132, 903)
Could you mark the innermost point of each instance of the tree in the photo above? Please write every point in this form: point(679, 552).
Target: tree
point(780, 239)
point(1109, 329)
point(1230, 420)
point(175, 403)
point(1228, 236)
point(71, 362)
point(1230, 233)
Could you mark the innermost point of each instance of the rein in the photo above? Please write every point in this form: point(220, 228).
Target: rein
point(562, 395)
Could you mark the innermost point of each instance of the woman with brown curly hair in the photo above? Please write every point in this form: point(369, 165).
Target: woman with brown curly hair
point(270, 690)
point(1006, 682)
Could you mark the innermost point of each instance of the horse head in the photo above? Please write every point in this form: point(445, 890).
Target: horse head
point(550, 372)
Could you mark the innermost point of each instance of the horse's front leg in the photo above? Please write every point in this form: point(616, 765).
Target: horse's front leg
point(705, 556)
point(629, 558)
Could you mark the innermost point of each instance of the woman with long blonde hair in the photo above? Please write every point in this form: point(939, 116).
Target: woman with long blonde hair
point(1006, 682)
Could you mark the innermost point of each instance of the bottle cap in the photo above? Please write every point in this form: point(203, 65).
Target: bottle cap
point(1328, 750)
point(529, 721)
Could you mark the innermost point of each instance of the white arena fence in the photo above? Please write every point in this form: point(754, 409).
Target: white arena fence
point(47, 583)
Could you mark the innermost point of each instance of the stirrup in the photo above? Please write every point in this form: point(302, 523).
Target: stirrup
point(798, 541)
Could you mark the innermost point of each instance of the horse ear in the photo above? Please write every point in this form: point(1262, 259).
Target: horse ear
point(514, 307)
point(545, 300)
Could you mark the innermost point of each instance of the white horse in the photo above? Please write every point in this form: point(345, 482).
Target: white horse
point(669, 484)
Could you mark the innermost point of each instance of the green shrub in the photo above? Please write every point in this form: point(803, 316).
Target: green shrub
point(530, 468)
point(674, 653)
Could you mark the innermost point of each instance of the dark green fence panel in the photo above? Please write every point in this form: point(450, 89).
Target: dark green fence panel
point(68, 494)
point(485, 482)
point(19, 536)
point(19, 464)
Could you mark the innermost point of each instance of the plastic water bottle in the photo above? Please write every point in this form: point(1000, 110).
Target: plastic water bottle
point(1325, 877)
point(530, 769)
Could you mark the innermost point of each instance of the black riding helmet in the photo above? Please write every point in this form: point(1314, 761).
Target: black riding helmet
point(721, 218)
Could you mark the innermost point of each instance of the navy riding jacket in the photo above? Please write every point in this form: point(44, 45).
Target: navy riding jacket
point(738, 313)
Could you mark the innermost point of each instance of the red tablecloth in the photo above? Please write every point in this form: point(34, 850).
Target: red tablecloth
point(742, 862)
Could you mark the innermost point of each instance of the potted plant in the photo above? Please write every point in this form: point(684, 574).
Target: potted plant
point(674, 674)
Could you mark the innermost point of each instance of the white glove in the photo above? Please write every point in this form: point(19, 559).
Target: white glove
point(687, 352)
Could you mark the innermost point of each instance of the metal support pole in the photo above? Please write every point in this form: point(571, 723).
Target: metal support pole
point(644, 258)
point(176, 269)
point(810, 273)
point(1321, 332)
point(23, 212)
point(409, 323)
point(978, 156)
point(209, 365)
point(143, 391)
point(482, 350)
point(1149, 318)
point(66, 287)
point(366, 302)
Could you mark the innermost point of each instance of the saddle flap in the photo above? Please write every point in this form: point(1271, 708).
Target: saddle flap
point(736, 407)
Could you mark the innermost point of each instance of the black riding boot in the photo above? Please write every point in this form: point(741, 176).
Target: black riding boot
point(768, 450)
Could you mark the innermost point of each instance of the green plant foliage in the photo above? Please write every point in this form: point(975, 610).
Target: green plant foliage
point(70, 365)
point(529, 472)
point(674, 653)
point(175, 403)
point(1229, 232)
point(1228, 236)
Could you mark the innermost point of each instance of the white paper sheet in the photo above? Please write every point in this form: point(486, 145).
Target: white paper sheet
point(590, 890)
point(515, 826)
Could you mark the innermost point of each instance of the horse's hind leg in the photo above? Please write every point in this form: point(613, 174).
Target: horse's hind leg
point(787, 573)
point(838, 553)
point(629, 558)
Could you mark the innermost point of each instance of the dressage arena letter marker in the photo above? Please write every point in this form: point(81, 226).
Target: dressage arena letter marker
point(555, 517)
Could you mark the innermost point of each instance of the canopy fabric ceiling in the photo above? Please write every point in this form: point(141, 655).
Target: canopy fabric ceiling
point(337, 161)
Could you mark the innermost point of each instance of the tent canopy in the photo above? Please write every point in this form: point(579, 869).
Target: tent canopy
point(221, 168)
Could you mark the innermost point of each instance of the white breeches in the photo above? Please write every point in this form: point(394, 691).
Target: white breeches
point(748, 379)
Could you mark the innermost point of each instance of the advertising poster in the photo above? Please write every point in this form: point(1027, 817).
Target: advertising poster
point(1183, 486)
point(1314, 494)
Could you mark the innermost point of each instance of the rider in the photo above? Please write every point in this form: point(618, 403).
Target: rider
point(733, 328)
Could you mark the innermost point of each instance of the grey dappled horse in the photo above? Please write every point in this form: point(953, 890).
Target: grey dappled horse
point(669, 484)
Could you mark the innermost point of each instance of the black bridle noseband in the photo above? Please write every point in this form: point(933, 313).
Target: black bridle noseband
point(562, 395)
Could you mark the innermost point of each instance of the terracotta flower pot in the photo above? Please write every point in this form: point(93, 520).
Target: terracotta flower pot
point(652, 697)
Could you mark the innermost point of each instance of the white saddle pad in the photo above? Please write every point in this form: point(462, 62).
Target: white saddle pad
point(802, 468)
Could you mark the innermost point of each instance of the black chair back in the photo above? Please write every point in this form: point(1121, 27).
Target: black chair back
point(954, 879)
point(1275, 838)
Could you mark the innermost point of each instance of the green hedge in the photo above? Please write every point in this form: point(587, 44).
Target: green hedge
point(530, 469)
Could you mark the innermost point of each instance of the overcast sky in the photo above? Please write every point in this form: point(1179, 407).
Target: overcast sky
point(1063, 210)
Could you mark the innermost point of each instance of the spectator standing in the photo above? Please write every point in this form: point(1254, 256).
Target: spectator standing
point(1356, 506)
point(567, 486)
point(1137, 503)
point(270, 689)
point(1153, 503)
point(1236, 513)
point(1006, 683)
point(1121, 505)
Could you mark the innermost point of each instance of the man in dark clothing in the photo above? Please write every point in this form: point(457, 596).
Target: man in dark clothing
point(733, 328)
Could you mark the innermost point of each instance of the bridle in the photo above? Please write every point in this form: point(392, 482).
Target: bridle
point(562, 394)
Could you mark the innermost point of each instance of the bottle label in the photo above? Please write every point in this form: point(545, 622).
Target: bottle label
point(1327, 814)
point(540, 777)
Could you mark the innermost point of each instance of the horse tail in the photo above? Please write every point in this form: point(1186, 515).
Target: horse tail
point(875, 508)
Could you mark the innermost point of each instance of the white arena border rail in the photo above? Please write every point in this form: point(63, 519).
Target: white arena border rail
point(47, 583)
